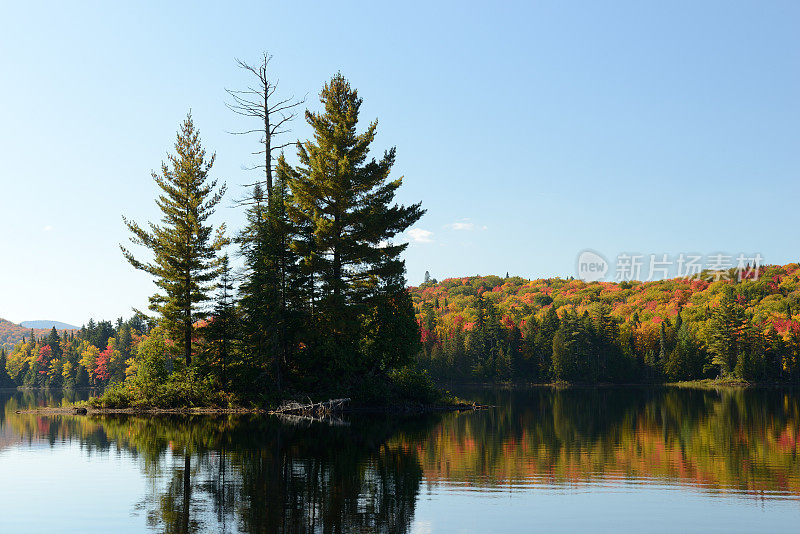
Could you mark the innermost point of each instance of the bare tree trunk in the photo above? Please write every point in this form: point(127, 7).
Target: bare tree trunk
point(273, 115)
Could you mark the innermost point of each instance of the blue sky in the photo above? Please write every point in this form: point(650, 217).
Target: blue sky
point(530, 131)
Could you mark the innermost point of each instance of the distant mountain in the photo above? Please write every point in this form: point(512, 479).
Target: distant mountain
point(11, 333)
point(48, 325)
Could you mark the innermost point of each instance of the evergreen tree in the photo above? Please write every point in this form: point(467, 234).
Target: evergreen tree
point(272, 294)
point(185, 260)
point(727, 328)
point(220, 331)
point(257, 291)
point(346, 199)
point(544, 342)
point(340, 204)
point(530, 363)
point(5, 377)
point(54, 342)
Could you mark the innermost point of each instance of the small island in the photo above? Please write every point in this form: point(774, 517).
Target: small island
point(321, 309)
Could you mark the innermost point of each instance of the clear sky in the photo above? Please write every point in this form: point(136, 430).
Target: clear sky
point(530, 131)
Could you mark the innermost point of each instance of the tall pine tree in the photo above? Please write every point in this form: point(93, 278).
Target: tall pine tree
point(185, 262)
point(341, 203)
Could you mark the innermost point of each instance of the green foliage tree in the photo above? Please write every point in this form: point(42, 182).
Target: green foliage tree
point(347, 201)
point(727, 328)
point(185, 261)
point(340, 204)
point(220, 332)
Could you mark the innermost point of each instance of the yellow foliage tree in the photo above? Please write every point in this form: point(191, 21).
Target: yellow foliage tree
point(89, 357)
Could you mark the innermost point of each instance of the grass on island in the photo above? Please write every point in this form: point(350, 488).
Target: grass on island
point(712, 383)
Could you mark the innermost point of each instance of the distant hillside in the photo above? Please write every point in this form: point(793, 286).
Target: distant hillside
point(720, 325)
point(772, 299)
point(48, 325)
point(11, 333)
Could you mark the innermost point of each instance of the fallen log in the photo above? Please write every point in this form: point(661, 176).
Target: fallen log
point(311, 409)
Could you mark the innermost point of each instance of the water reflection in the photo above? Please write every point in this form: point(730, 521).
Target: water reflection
point(729, 440)
point(258, 474)
point(252, 474)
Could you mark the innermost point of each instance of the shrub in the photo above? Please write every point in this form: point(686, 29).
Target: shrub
point(414, 384)
point(181, 390)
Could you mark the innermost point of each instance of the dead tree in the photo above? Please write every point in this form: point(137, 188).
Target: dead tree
point(273, 115)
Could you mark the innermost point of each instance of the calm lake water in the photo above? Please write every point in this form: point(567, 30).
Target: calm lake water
point(572, 460)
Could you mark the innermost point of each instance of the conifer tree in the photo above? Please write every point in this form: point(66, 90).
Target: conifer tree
point(340, 204)
point(270, 296)
point(727, 324)
point(271, 113)
point(257, 290)
point(220, 331)
point(185, 262)
point(347, 200)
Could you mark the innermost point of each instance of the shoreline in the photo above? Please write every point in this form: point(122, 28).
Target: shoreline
point(699, 384)
point(411, 409)
point(354, 410)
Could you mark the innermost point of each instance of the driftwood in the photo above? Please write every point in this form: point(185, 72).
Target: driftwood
point(311, 409)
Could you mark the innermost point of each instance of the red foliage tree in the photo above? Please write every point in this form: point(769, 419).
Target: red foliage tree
point(43, 360)
point(101, 371)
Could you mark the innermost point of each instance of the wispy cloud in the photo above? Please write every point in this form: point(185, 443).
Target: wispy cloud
point(47, 228)
point(462, 226)
point(418, 235)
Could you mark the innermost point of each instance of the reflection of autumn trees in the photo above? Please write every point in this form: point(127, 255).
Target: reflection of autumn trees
point(256, 474)
point(740, 439)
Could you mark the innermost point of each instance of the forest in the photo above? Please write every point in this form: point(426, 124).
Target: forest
point(736, 325)
point(492, 329)
point(318, 304)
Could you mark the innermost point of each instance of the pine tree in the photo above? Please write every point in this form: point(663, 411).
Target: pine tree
point(53, 341)
point(347, 201)
point(544, 342)
point(727, 326)
point(271, 296)
point(185, 260)
point(271, 113)
point(220, 331)
point(5, 377)
point(257, 290)
point(340, 205)
point(530, 357)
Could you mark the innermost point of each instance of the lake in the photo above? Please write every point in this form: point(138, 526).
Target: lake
point(542, 460)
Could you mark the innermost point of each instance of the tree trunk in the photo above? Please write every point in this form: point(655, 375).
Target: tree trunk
point(188, 342)
point(267, 147)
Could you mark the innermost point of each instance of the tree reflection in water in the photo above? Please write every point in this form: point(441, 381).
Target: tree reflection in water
point(251, 474)
point(258, 474)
